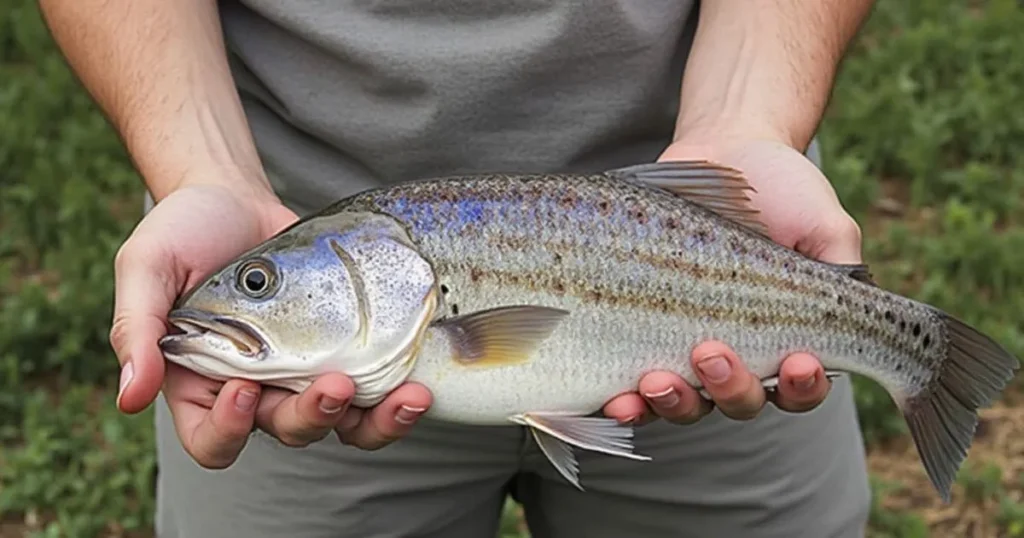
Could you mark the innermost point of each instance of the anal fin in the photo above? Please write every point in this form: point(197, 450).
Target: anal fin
point(557, 434)
point(560, 455)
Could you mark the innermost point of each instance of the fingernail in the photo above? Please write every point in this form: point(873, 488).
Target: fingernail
point(715, 368)
point(127, 373)
point(632, 419)
point(331, 405)
point(665, 398)
point(806, 383)
point(408, 415)
point(245, 400)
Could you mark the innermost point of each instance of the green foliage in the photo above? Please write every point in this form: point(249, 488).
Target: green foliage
point(73, 459)
point(889, 523)
point(925, 115)
point(981, 481)
point(68, 197)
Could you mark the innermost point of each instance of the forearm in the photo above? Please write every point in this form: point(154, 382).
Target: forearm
point(159, 72)
point(765, 68)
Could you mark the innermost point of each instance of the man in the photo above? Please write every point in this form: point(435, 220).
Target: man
point(344, 96)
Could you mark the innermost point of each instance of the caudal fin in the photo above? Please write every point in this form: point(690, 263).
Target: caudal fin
point(942, 419)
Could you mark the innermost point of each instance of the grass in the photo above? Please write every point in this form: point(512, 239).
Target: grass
point(921, 140)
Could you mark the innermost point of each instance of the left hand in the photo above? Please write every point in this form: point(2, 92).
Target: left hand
point(801, 211)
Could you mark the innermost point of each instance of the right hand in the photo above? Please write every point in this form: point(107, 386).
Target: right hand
point(189, 234)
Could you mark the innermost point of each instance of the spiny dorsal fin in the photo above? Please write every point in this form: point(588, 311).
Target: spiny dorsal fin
point(500, 336)
point(716, 187)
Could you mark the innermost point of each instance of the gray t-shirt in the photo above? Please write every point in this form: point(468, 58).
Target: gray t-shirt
point(342, 96)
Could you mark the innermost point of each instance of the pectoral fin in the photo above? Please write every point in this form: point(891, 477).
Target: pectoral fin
point(504, 335)
point(557, 434)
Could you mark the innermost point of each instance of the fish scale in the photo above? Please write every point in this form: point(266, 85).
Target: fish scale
point(504, 209)
point(548, 294)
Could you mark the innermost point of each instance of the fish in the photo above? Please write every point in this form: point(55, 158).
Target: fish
point(534, 298)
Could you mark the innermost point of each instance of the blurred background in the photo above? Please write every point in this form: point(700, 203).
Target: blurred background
point(924, 141)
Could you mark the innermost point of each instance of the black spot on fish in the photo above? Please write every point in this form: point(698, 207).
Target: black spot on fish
point(444, 289)
point(927, 341)
point(455, 309)
point(839, 299)
point(889, 317)
point(903, 325)
point(917, 329)
point(899, 366)
point(568, 201)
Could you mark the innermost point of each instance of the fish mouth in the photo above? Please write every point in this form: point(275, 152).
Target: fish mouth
point(197, 324)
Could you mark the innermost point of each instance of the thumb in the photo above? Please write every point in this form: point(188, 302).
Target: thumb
point(835, 239)
point(144, 292)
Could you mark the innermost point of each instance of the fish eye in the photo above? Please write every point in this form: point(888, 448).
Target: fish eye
point(256, 278)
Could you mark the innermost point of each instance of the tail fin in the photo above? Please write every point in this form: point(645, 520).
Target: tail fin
point(942, 419)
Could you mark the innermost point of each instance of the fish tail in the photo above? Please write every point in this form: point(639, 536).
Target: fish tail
point(942, 418)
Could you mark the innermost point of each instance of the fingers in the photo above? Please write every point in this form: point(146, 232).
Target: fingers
point(374, 428)
point(212, 421)
point(672, 399)
point(628, 408)
point(802, 384)
point(738, 393)
point(300, 419)
point(143, 295)
point(661, 394)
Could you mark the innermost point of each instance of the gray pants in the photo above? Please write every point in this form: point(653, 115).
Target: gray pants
point(780, 475)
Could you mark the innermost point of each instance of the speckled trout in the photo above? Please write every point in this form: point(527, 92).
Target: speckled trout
point(533, 299)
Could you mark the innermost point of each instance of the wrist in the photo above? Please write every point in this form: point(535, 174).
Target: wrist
point(188, 155)
point(718, 139)
point(264, 209)
point(245, 180)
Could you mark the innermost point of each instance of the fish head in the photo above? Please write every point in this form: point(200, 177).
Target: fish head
point(347, 293)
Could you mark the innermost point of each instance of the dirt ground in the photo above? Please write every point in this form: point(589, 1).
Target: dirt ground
point(990, 487)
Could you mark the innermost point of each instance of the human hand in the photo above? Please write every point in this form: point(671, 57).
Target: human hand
point(800, 209)
point(189, 234)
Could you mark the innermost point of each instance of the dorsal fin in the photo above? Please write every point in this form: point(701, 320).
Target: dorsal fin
point(716, 187)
